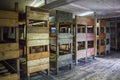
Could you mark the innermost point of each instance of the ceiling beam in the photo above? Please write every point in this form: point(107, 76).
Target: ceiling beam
point(58, 3)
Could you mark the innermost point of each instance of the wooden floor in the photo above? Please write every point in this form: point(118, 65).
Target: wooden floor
point(102, 68)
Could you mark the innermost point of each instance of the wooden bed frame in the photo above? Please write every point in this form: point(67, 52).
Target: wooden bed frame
point(61, 42)
point(101, 37)
point(81, 38)
point(36, 57)
point(9, 48)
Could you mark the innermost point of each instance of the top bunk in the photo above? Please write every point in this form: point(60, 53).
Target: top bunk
point(37, 26)
point(86, 21)
point(9, 46)
point(9, 26)
point(9, 18)
point(61, 27)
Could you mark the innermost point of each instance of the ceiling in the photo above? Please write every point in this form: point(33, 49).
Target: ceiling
point(103, 8)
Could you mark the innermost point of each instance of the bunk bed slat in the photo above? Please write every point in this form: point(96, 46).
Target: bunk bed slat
point(10, 77)
point(8, 14)
point(37, 42)
point(38, 55)
point(8, 47)
point(37, 36)
point(9, 55)
point(8, 23)
point(38, 68)
point(33, 15)
point(38, 30)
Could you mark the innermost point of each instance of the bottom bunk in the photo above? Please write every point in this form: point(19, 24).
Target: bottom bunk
point(7, 74)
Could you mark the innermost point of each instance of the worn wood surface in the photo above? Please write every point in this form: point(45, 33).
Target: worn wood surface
point(8, 23)
point(9, 55)
point(8, 46)
point(90, 52)
point(81, 54)
point(34, 15)
point(34, 36)
point(38, 68)
point(8, 14)
point(39, 55)
point(38, 29)
point(65, 41)
point(90, 36)
point(10, 77)
point(37, 42)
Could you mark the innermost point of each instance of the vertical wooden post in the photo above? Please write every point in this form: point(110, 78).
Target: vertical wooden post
point(57, 45)
point(95, 38)
point(1, 33)
point(76, 43)
point(86, 43)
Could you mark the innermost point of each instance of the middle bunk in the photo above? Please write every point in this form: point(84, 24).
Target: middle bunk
point(84, 39)
point(61, 40)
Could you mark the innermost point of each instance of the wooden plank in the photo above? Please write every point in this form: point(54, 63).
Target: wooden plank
point(90, 52)
point(10, 77)
point(9, 54)
point(107, 35)
point(102, 36)
point(65, 35)
point(81, 54)
point(64, 62)
point(81, 35)
point(34, 56)
point(8, 23)
point(37, 29)
point(52, 40)
point(63, 16)
point(37, 36)
point(81, 20)
point(38, 68)
point(8, 14)
point(102, 23)
point(34, 15)
point(37, 42)
point(81, 39)
point(64, 57)
point(8, 46)
point(65, 41)
point(85, 20)
point(108, 47)
point(102, 49)
point(38, 62)
point(90, 36)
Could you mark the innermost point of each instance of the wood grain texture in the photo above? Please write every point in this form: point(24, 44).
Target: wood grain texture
point(34, 36)
point(35, 56)
point(10, 77)
point(37, 42)
point(34, 15)
point(8, 14)
point(9, 55)
point(8, 47)
point(8, 23)
point(38, 68)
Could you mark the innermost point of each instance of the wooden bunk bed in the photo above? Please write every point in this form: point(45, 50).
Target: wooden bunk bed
point(84, 40)
point(107, 38)
point(101, 37)
point(36, 49)
point(61, 40)
point(9, 45)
